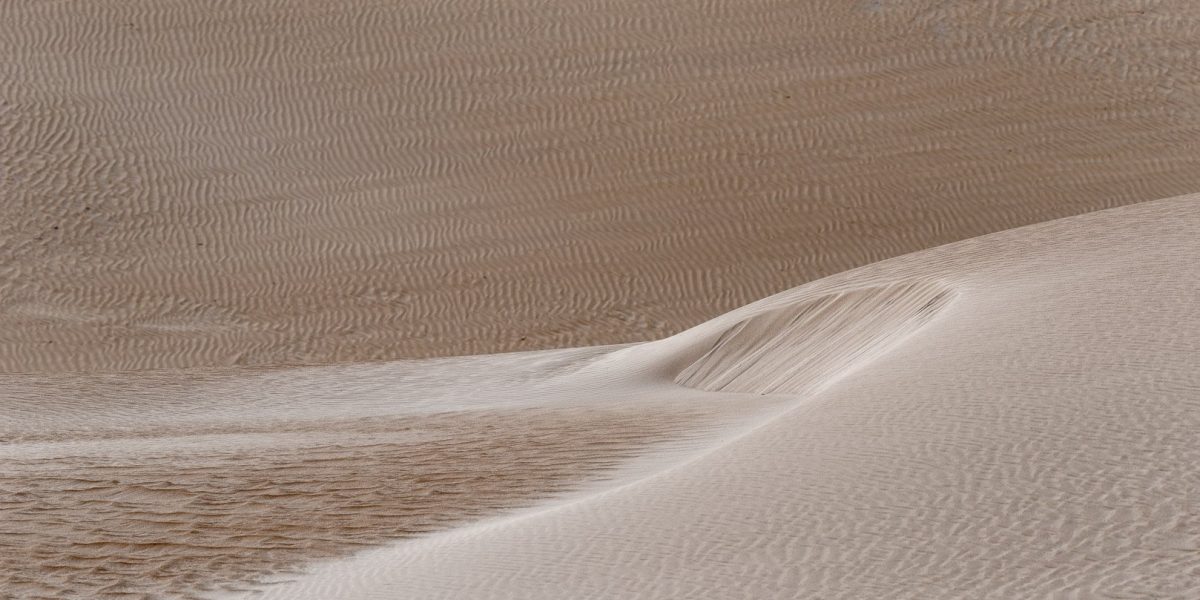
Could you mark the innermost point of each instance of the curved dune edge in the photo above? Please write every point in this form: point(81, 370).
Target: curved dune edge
point(921, 476)
point(796, 348)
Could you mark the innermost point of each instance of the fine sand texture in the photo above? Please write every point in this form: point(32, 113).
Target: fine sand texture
point(1014, 416)
point(308, 300)
point(177, 485)
point(1011, 416)
point(210, 184)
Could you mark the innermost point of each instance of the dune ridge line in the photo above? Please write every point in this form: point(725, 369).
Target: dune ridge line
point(799, 347)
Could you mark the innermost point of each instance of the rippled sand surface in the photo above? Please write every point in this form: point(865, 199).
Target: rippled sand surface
point(178, 485)
point(174, 512)
point(239, 242)
point(1032, 434)
point(1009, 416)
point(259, 183)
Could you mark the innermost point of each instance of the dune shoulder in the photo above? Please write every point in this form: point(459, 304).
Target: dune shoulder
point(1035, 438)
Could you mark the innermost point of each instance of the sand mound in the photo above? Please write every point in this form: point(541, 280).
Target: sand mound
point(1013, 415)
point(242, 187)
point(1036, 438)
point(794, 349)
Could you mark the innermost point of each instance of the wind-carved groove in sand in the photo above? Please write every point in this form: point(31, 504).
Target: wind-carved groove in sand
point(797, 348)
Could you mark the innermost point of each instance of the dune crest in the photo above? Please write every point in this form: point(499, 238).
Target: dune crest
point(796, 348)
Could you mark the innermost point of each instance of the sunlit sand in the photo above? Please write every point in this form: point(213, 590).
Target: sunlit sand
point(308, 300)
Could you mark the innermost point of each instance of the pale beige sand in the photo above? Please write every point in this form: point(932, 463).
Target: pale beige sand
point(259, 183)
point(171, 485)
point(171, 512)
point(1031, 434)
point(263, 184)
point(1009, 416)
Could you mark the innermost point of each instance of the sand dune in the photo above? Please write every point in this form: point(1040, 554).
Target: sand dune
point(198, 184)
point(240, 243)
point(173, 485)
point(1012, 415)
point(1035, 438)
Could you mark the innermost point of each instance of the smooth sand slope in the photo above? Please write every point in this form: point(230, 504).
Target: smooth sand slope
point(200, 184)
point(1012, 416)
point(1029, 430)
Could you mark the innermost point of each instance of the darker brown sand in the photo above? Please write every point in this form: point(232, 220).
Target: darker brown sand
point(190, 185)
point(204, 184)
point(200, 511)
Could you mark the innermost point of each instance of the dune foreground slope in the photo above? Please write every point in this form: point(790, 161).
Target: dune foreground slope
point(1011, 416)
point(206, 184)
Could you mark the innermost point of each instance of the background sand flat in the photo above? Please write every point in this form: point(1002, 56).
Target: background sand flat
point(260, 183)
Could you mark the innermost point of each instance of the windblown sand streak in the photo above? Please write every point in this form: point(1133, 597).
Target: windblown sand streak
point(794, 349)
point(228, 183)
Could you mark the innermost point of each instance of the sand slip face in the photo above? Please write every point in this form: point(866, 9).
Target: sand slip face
point(189, 184)
point(1035, 438)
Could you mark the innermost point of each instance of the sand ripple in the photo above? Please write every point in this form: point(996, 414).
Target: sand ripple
point(796, 349)
point(165, 514)
point(293, 181)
